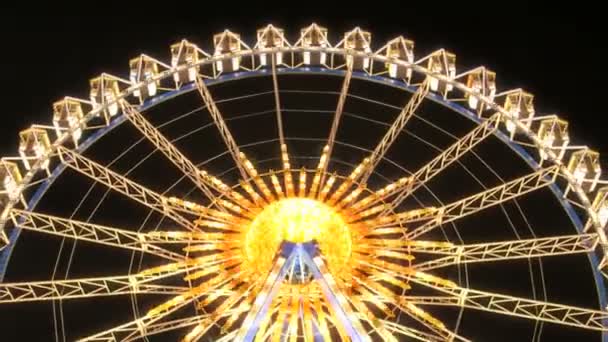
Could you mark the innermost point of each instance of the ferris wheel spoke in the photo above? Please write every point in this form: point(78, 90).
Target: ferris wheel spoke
point(482, 200)
point(412, 333)
point(429, 300)
point(433, 324)
point(124, 185)
point(288, 178)
point(504, 250)
point(165, 326)
point(138, 328)
point(217, 117)
point(327, 150)
point(366, 315)
point(408, 111)
point(404, 188)
point(277, 100)
point(199, 177)
point(510, 305)
point(430, 322)
point(138, 283)
point(221, 311)
point(84, 231)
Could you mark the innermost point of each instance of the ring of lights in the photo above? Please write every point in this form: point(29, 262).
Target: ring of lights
point(522, 126)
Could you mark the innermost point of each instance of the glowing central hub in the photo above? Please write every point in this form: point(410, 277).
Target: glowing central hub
point(297, 220)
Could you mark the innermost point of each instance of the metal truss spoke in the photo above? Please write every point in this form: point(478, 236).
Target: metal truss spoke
point(408, 111)
point(411, 332)
point(288, 178)
point(513, 306)
point(123, 185)
point(429, 300)
point(165, 326)
point(84, 231)
point(433, 324)
point(366, 315)
point(94, 287)
point(233, 148)
point(277, 101)
point(505, 250)
point(200, 178)
point(137, 328)
point(336, 122)
point(483, 200)
point(224, 309)
point(443, 160)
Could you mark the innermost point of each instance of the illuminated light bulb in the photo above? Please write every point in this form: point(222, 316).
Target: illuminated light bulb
point(10, 186)
point(113, 105)
point(392, 70)
point(440, 244)
point(330, 182)
point(77, 134)
point(236, 63)
point(152, 88)
point(315, 185)
point(302, 184)
point(579, 174)
point(323, 156)
point(372, 211)
point(547, 141)
point(263, 59)
point(358, 169)
point(602, 214)
point(473, 102)
point(193, 334)
point(364, 202)
point(254, 195)
point(510, 123)
point(213, 224)
point(306, 56)
point(192, 72)
point(277, 186)
point(434, 83)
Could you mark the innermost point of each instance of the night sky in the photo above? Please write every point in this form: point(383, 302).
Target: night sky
point(557, 54)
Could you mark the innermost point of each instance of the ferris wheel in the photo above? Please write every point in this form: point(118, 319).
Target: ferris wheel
point(377, 210)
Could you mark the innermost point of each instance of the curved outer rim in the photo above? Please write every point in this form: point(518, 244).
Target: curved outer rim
point(521, 126)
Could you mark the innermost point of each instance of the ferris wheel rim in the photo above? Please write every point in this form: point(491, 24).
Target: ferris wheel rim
point(442, 100)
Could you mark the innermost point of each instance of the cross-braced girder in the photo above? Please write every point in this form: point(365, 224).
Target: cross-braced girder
point(513, 306)
point(485, 199)
point(199, 177)
point(503, 250)
point(408, 111)
point(94, 287)
point(443, 160)
point(218, 118)
point(120, 183)
point(83, 231)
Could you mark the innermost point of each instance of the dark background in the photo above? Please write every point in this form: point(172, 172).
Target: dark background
point(558, 54)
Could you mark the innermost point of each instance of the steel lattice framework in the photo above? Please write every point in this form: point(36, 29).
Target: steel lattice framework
point(245, 255)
